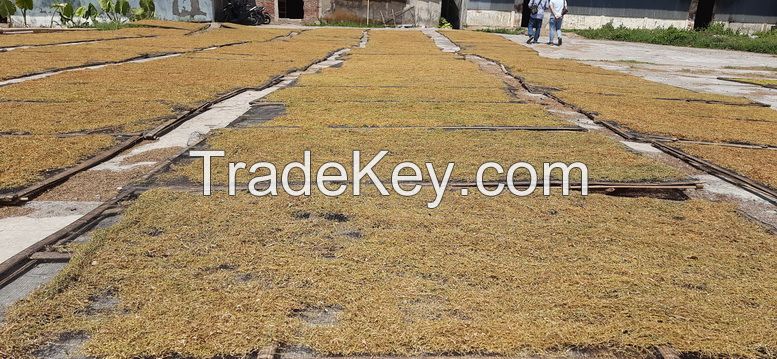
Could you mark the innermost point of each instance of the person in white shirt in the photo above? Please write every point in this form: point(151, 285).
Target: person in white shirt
point(558, 8)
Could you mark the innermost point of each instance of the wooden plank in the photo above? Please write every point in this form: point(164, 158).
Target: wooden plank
point(668, 352)
point(51, 256)
point(268, 352)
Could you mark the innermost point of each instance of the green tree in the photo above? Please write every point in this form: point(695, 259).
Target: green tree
point(7, 9)
point(65, 11)
point(115, 11)
point(25, 5)
point(85, 14)
point(147, 10)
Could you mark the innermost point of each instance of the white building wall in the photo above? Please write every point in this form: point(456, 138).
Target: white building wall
point(511, 19)
point(492, 19)
point(427, 12)
point(572, 21)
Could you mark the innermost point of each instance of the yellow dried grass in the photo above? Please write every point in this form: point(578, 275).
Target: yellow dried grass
point(607, 160)
point(34, 60)
point(50, 38)
point(205, 276)
point(25, 159)
point(379, 85)
point(765, 82)
point(183, 25)
point(356, 114)
point(758, 164)
point(629, 100)
point(137, 97)
point(138, 92)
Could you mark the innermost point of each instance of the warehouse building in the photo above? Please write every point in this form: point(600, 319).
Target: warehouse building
point(748, 15)
point(390, 12)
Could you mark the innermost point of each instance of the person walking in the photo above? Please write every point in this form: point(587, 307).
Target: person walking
point(535, 20)
point(558, 8)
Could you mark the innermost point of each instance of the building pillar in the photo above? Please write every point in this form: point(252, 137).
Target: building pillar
point(310, 9)
point(269, 7)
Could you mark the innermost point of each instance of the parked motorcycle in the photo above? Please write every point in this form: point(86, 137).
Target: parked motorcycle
point(246, 12)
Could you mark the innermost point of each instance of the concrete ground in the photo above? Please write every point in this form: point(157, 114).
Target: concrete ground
point(689, 68)
point(45, 218)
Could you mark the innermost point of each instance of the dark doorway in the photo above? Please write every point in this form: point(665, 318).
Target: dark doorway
point(218, 11)
point(290, 9)
point(704, 14)
point(450, 12)
point(526, 13)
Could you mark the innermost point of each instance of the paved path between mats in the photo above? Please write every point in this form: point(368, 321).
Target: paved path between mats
point(689, 68)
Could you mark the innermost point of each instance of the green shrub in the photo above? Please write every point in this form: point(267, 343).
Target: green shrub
point(716, 36)
point(444, 23)
point(7, 9)
point(501, 30)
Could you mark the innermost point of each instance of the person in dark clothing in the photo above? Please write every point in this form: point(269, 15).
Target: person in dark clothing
point(535, 20)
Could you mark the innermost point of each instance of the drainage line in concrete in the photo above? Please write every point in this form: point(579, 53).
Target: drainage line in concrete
point(471, 128)
point(594, 186)
point(617, 129)
point(206, 27)
point(64, 135)
point(140, 58)
point(172, 124)
point(416, 101)
point(730, 79)
point(78, 42)
point(729, 176)
point(722, 144)
point(716, 102)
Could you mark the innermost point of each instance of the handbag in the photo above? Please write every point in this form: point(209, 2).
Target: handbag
point(535, 9)
point(565, 11)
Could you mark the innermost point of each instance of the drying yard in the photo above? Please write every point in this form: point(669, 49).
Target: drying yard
point(110, 249)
